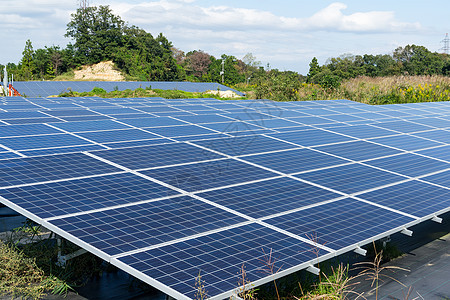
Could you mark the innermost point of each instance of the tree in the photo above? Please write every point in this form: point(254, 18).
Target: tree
point(178, 55)
point(27, 64)
point(97, 33)
point(251, 65)
point(198, 63)
point(146, 58)
point(314, 69)
point(418, 60)
point(231, 75)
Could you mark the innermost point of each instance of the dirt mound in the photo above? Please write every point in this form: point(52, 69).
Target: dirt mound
point(101, 71)
point(224, 94)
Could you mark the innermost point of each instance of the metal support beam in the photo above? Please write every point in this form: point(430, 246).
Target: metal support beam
point(437, 219)
point(407, 232)
point(62, 259)
point(314, 270)
point(360, 251)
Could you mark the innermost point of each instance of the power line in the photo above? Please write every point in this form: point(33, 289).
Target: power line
point(446, 42)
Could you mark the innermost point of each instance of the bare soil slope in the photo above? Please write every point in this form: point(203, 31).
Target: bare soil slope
point(103, 71)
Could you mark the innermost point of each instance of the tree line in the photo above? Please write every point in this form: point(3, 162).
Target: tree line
point(411, 60)
point(100, 35)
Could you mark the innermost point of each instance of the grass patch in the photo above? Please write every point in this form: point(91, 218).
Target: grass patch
point(143, 93)
point(20, 276)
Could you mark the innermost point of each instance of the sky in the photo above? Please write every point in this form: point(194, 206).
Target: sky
point(284, 34)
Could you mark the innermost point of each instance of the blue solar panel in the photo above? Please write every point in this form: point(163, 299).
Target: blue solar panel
point(372, 116)
point(129, 144)
point(438, 152)
point(192, 138)
point(85, 118)
point(442, 179)
point(414, 197)
point(184, 130)
point(48, 168)
point(312, 120)
point(403, 126)
point(42, 141)
point(406, 142)
point(294, 161)
point(116, 110)
point(312, 137)
point(442, 136)
point(24, 130)
point(344, 118)
point(159, 109)
point(33, 120)
point(110, 210)
point(231, 127)
point(245, 145)
point(341, 223)
point(157, 156)
point(202, 176)
point(5, 155)
point(409, 164)
point(247, 115)
point(71, 113)
point(434, 122)
point(266, 198)
point(274, 123)
point(363, 131)
point(152, 122)
point(122, 135)
point(133, 227)
point(68, 197)
point(358, 150)
point(21, 115)
point(200, 119)
point(90, 125)
point(351, 178)
point(218, 258)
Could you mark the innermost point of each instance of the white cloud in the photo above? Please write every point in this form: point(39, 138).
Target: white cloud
point(223, 18)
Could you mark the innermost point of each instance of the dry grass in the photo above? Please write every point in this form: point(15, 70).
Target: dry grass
point(396, 89)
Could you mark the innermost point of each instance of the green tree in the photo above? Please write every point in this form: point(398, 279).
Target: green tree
point(27, 64)
point(314, 69)
point(231, 73)
point(418, 60)
point(97, 33)
point(146, 58)
point(251, 66)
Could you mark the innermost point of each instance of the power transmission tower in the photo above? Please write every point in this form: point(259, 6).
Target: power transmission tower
point(446, 42)
point(83, 4)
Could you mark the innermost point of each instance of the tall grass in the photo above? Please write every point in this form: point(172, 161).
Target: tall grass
point(377, 90)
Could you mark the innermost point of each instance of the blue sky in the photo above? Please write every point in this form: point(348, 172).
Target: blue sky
point(286, 34)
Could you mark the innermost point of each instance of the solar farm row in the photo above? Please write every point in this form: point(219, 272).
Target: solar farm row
point(52, 88)
point(167, 189)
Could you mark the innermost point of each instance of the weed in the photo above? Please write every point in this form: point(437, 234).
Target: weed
point(374, 271)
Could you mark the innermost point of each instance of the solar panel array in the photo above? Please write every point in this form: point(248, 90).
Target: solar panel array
point(169, 189)
point(52, 88)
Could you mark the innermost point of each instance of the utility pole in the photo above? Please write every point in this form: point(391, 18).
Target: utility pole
point(83, 4)
point(446, 42)
point(223, 71)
